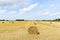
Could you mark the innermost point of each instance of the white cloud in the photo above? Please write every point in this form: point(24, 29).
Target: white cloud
point(42, 12)
point(12, 13)
point(45, 12)
point(2, 12)
point(55, 14)
point(13, 2)
point(50, 11)
point(52, 6)
point(5, 12)
point(28, 8)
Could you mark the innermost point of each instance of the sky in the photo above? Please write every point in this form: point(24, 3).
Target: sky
point(29, 9)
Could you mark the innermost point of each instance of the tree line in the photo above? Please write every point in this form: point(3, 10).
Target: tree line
point(36, 20)
point(13, 20)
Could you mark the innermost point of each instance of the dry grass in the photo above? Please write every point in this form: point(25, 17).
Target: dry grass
point(19, 30)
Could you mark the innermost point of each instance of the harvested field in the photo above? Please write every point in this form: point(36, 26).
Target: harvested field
point(18, 30)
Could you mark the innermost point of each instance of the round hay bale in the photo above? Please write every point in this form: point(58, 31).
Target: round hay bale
point(50, 22)
point(35, 23)
point(2, 22)
point(33, 30)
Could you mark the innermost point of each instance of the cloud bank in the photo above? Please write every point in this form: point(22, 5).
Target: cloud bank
point(13, 2)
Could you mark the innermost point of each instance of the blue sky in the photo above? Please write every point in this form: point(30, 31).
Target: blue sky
point(29, 9)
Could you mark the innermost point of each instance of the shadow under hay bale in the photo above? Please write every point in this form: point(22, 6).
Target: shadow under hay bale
point(33, 30)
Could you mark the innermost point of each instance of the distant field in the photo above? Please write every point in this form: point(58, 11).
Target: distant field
point(18, 30)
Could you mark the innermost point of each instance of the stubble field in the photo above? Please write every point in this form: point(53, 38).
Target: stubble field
point(18, 30)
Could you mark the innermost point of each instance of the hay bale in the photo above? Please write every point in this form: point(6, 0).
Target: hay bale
point(2, 22)
point(33, 30)
point(35, 23)
point(50, 22)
